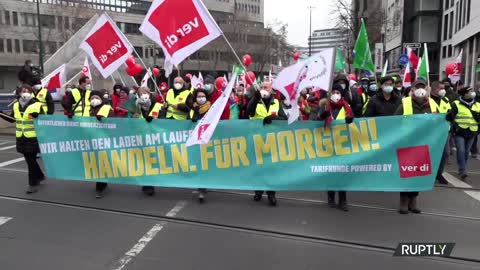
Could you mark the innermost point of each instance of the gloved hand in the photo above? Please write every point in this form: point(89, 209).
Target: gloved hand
point(257, 95)
point(348, 119)
point(149, 119)
point(70, 115)
point(34, 115)
point(324, 115)
point(99, 117)
point(449, 117)
point(194, 119)
point(268, 120)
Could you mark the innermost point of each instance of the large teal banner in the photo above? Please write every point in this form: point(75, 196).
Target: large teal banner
point(398, 153)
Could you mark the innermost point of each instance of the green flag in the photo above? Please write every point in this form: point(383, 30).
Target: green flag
point(237, 70)
point(423, 65)
point(477, 69)
point(363, 55)
point(339, 63)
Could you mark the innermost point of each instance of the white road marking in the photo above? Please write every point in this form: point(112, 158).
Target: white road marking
point(458, 183)
point(2, 143)
point(4, 220)
point(10, 162)
point(143, 242)
point(8, 147)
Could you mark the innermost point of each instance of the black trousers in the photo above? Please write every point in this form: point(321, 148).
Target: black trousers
point(35, 174)
point(443, 161)
point(409, 195)
point(100, 186)
point(269, 192)
point(342, 195)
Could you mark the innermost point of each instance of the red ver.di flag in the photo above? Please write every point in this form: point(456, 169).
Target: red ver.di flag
point(56, 79)
point(180, 27)
point(106, 45)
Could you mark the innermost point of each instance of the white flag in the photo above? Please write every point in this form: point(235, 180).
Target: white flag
point(86, 69)
point(457, 72)
point(106, 45)
point(287, 83)
point(56, 79)
point(145, 79)
point(180, 27)
point(196, 82)
point(206, 126)
point(319, 70)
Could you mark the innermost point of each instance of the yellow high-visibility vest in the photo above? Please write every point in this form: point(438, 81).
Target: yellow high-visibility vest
point(41, 96)
point(365, 100)
point(179, 99)
point(81, 109)
point(444, 105)
point(261, 110)
point(408, 106)
point(464, 117)
point(24, 121)
point(104, 111)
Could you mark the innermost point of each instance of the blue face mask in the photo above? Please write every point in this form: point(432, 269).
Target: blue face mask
point(372, 87)
point(208, 87)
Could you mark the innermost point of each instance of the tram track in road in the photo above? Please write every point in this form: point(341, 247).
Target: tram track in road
point(244, 229)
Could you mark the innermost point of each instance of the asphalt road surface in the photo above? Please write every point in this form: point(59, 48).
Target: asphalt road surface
point(64, 227)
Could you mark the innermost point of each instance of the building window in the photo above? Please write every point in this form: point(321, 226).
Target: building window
point(7, 17)
point(139, 51)
point(445, 27)
point(52, 46)
point(450, 53)
point(447, 4)
point(17, 46)
point(457, 17)
point(9, 45)
point(2, 47)
point(48, 21)
point(444, 51)
point(66, 23)
point(469, 6)
point(30, 46)
point(450, 29)
point(78, 23)
point(15, 18)
point(29, 19)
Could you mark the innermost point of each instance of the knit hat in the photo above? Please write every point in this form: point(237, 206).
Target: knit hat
point(96, 93)
point(338, 88)
point(209, 79)
point(125, 89)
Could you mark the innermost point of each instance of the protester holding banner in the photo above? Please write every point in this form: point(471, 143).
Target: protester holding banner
point(24, 110)
point(385, 102)
point(465, 118)
point(352, 97)
point(43, 96)
point(99, 110)
point(264, 106)
point(418, 103)
point(78, 103)
point(336, 108)
point(176, 99)
point(438, 95)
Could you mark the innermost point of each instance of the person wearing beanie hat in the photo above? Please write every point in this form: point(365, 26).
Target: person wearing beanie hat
point(99, 110)
point(385, 102)
point(177, 100)
point(418, 103)
point(465, 118)
point(24, 110)
point(335, 108)
point(43, 95)
point(352, 97)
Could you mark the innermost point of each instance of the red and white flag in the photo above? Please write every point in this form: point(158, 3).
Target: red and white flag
point(56, 79)
point(145, 79)
point(457, 69)
point(106, 45)
point(206, 126)
point(180, 27)
point(196, 82)
point(413, 59)
point(86, 69)
point(407, 76)
point(286, 82)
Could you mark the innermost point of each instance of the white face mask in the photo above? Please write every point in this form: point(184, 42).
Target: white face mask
point(264, 93)
point(68, 89)
point(26, 96)
point(88, 87)
point(37, 86)
point(473, 95)
point(145, 97)
point(132, 92)
point(162, 88)
point(442, 93)
point(178, 86)
point(105, 96)
point(335, 98)
point(303, 92)
point(201, 100)
point(343, 86)
point(420, 93)
point(388, 89)
point(399, 88)
point(95, 102)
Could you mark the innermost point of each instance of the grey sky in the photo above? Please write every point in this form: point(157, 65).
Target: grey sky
point(296, 14)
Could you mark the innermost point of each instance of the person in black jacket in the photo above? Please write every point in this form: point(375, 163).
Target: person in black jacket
point(385, 102)
point(43, 95)
point(25, 75)
point(352, 97)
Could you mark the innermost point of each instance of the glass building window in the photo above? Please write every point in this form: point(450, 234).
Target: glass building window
point(6, 17)
point(2, 46)
point(30, 46)
point(9, 45)
point(17, 46)
point(15, 18)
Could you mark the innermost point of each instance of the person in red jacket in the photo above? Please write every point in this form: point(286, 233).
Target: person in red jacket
point(163, 89)
point(118, 101)
point(218, 86)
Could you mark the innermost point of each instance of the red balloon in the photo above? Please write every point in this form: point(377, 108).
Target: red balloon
point(450, 68)
point(130, 71)
point(188, 75)
point(156, 72)
point(296, 56)
point(138, 69)
point(247, 60)
point(250, 77)
point(130, 61)
point(352, 76)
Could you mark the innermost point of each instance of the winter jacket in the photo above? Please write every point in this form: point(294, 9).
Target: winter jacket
point(379, 106)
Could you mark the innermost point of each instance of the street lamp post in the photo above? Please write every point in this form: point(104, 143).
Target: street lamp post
point(310, 33)
point(40, 43)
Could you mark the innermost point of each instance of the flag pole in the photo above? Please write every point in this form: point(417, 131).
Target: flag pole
point(121, 78)
point(7, 116)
